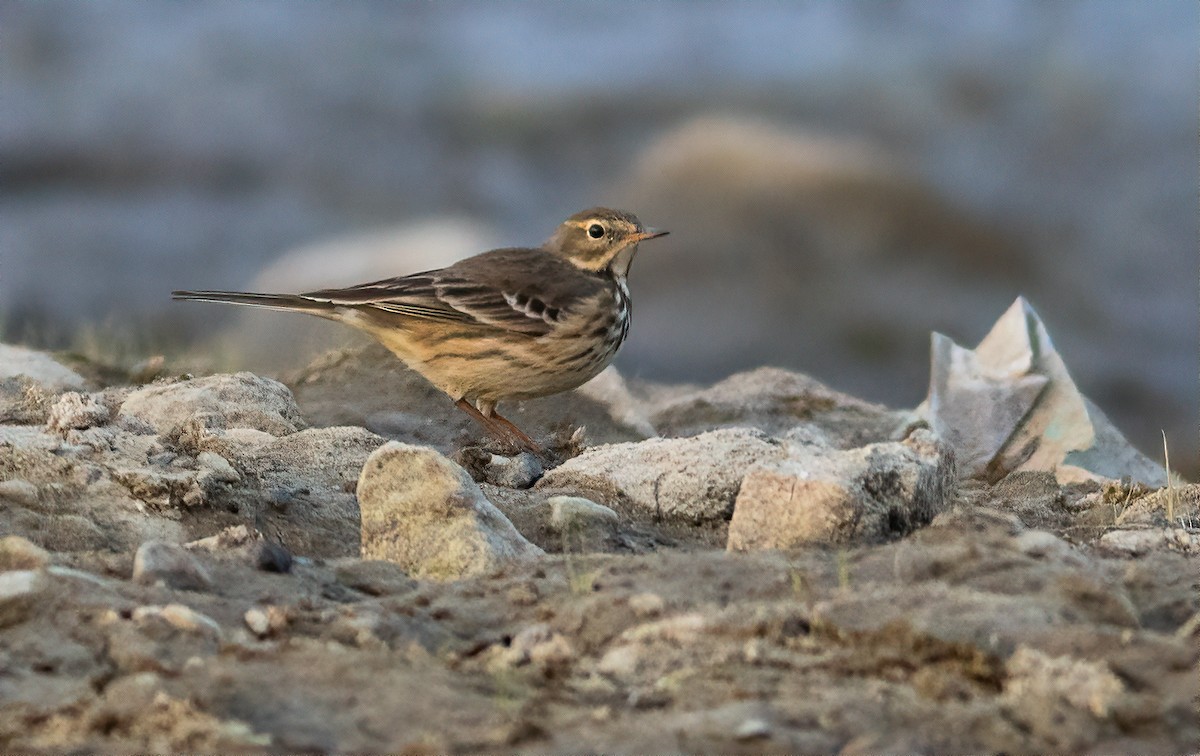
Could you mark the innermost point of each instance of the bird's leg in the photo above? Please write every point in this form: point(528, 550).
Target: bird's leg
point(499, 427)
point(505, 423)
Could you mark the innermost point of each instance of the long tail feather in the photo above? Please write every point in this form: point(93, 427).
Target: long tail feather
point(287, 302)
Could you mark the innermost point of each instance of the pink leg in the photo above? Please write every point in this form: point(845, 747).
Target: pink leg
point(499, 427)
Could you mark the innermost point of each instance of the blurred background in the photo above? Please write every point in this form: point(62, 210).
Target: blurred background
point(840, 178)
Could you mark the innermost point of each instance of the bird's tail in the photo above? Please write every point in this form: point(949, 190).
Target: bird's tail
point(287, 302)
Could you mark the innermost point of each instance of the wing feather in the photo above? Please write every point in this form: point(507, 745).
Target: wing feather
point(519, 290)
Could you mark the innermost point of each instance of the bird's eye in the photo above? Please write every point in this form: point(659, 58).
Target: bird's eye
point(595, 230)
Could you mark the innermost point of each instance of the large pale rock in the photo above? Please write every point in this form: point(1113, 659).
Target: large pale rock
point(776, 401)
point(690, 480)
point(423, 512)
point(824, 495)
point(243, 400)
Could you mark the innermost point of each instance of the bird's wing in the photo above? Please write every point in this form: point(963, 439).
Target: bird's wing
point(527, 291)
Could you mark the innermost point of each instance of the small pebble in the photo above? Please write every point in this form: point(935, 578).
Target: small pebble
point(17, 553)
point(647, 604)
point(753, 729)
point(19, 591)
point(272, 557)
point(374, 577)
point(520, 471)
point(171, 564)
point(621, 661)
point(568, 512)
point(218, 467)
point(178, 616)
point(257, 620)
point(20, 492)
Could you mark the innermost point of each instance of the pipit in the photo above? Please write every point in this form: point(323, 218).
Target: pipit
point(515, 323)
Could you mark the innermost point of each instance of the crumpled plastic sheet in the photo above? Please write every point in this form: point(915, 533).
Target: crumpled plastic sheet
point(1010, 404)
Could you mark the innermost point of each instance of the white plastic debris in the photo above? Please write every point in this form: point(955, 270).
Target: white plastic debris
point(1010, 404)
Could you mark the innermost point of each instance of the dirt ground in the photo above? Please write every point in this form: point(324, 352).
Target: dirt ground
point(1009, 624)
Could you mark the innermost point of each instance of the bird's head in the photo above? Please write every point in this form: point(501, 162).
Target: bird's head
point(601, 239)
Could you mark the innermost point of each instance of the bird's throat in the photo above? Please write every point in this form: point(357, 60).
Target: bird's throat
point(619, 266)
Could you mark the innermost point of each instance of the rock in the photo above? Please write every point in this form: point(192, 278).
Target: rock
point(520, 471)
point(40, 368)
point(374, 577)
point(247, 546)
point(1010, 404)
point(776, 401)
point(256, 620)
point(171, 564)
point(693, 480)
point(1044, 544)
point(540, 646)
point(753, 729)
point(178, 616)
point(425, 513)
point(264, 621)
point(818, 495)
point(217, 468)
point(1059, 693)
point(569, 513)
point(23, 401)
point(19, 592)
point(18, 491)
point(77, 411)
point(272, 557)
point(583, 525)
point(621, 661)
point(1174, 505)
point(647, 605)
point(17, 553)
point(1144, 540)
point(243, 400)
point(306, 482)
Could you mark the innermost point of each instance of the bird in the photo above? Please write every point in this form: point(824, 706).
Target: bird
point(507, 324)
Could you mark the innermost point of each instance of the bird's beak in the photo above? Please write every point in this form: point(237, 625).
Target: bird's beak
point(649, 233)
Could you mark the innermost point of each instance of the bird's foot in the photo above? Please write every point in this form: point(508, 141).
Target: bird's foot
point(501, 428)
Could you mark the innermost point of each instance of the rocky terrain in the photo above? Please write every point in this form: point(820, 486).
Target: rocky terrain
point(840, 166)
point(340, 562)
